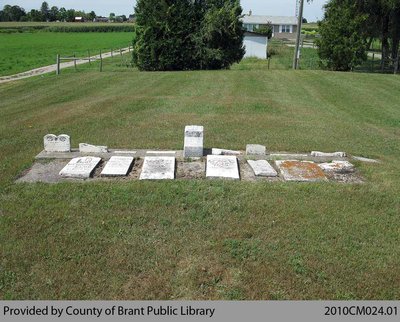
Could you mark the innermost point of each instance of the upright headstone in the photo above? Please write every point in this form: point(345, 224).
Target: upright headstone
point(117, 166)
point(221, 166)
point(262, 168)
point(81, 168)
point(54, 143)
point(89, 148)
point(193, 145)
point(255, 149)
point(158, 168)
point(307, 171)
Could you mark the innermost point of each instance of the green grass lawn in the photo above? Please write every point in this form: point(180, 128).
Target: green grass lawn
point(202, 239)
point(24, 51)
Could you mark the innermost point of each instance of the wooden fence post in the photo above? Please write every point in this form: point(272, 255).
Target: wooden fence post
point(75, 61)
point(58, 65)
point(101, 62)
point(90, 62)
point(112, 53)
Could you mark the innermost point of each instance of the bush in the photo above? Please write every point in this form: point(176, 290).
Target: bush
point(186, 34)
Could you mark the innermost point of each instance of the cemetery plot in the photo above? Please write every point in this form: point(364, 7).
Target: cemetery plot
point(117, 166)
point(80, 168)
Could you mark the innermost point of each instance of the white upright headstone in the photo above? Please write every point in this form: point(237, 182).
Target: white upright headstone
point(117, 166)
point(54, 143)
point(193, 146)
point(221, 166)
point(89, 148)
point(81, 168)
point(158, 168)
point(255, 149)
point(262, 168)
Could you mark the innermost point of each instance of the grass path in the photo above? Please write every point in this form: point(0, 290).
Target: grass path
point(202, 239)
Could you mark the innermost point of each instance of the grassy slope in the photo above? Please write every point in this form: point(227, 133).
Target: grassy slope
point(202, 239)
point(23, 51)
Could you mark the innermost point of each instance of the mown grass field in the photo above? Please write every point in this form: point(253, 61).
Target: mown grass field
point(202, 239)
point(24, 51)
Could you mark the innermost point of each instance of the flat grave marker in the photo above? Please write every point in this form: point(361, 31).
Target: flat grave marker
point(80, 168)
point(262, 168)
point(158, 168)
point(117, 166)
point(89, 148)
point(221, 166)
point(303, 171)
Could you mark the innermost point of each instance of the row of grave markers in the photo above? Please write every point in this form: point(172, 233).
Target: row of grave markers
point(221, 164)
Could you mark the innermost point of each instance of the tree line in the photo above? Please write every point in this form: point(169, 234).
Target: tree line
point(50, 14)
point(350, 28)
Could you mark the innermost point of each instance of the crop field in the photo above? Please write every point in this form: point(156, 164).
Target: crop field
point(202, 239)
point(20, 52)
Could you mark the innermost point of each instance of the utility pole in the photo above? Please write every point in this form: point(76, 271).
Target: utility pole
point(297, 50)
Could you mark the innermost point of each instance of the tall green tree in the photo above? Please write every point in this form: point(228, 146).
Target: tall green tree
point(44, 9)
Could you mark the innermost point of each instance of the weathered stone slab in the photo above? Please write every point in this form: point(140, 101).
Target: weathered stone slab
point(362, 159)
point(80, 167)
point(158, 168)
point(89, 148)
point(333, 154)
point(117, 166)
point(215, 151)
point(219, 166)
point(54, 143)
point(255, 149)
point(262, 168)
point(193, 145)
point(307, 171)
point(337, 166)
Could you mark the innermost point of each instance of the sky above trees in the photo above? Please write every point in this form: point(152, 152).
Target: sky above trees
point(263, 7)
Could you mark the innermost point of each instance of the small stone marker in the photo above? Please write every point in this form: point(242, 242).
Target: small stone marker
point(337, 166)
point(215, 151)
point(117, 166)
point(219, 166)
point(255, 149)
point(362, 159)
point(89, 148)
point(328, 155)
point(262, 168)
point(54, 143)
point(193, 146)
point(307, 171)
point(81, 168)
point(158, 168)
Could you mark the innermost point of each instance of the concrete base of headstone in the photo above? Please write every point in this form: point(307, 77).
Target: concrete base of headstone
point(219, 166)
point(262, 168)
point(117, 167)
point(81, 168)
point(337, 166)
point(255, 149)
point(89, 148)
point(333, 154)
point(158, 168)
point(215, 151)
point(306, 171)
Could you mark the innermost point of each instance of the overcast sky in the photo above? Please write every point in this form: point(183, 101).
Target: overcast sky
point(103, 7)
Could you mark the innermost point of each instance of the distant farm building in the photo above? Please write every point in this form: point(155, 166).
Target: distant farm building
point(79, 19)
point(283, 27)
point(256, 45)
point(101, 19)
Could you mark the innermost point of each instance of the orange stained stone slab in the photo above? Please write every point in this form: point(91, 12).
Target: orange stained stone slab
point(305, 171)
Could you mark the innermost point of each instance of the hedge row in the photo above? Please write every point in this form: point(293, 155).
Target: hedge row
point(74, 28)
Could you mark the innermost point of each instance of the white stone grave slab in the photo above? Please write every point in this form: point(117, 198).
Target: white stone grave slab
point(193, 145)
point(255, 149)
point(89, 148)
point(81, 168)
point(262, 168)
point(294, 170)
point(215, 151)
point(337, 166)
point(362, 159)
point(54, 143)
point(328, 155)
point(222, 166)
point(117, 166)
point(158, 168)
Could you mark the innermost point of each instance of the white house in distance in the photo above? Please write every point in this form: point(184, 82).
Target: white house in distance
point(283, 27)
point(256, 45)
